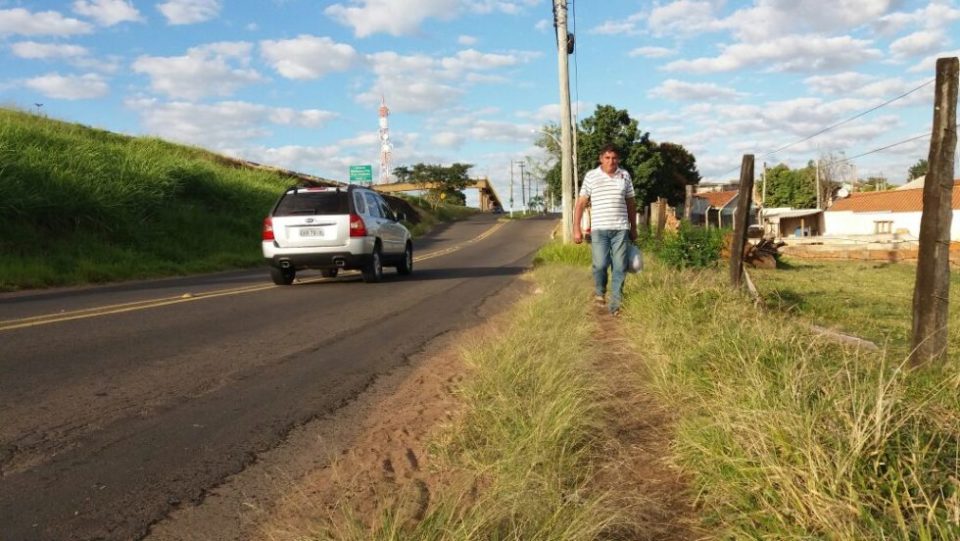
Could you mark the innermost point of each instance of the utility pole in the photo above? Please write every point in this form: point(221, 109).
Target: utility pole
point(564, 42)
point(511, 188)
point(763, 196)
point(818, 182)
point(523, 191)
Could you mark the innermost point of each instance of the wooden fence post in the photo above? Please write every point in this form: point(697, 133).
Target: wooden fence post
point(661, 216)
point(741, 220)
point(931, 292)
point(688, 203)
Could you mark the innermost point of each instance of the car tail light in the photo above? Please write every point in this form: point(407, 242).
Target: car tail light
point(357, 227)
point(267, 228)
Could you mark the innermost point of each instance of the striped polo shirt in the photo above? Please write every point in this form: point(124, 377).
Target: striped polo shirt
point(608, 198)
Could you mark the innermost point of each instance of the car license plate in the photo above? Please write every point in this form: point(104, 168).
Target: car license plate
point(311, 232)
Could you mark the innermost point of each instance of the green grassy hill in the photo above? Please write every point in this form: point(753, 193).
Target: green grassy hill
point(81, 205)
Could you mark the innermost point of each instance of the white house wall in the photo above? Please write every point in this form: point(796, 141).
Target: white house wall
point(846, 222)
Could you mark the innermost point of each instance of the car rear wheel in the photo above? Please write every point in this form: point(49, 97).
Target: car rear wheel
point(373, 272)
point(406, 264)
point(282, 277)
point(329, 273)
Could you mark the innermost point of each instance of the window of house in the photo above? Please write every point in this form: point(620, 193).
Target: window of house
point(880, 227)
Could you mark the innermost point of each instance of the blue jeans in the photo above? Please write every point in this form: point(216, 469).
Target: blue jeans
point(609, 247)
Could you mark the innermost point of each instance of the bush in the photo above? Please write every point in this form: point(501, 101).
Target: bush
point(691, 247)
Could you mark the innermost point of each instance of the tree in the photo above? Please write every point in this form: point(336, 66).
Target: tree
point(835, 170)
point(791, 188)
point(918, 169)
point(873, 184)
point(442, 183)
point(657, 170)
point(678, 169)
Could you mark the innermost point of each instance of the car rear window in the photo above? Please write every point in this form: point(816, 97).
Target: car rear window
point(313, 203)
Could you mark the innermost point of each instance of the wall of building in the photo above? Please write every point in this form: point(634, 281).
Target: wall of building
point(862, 223)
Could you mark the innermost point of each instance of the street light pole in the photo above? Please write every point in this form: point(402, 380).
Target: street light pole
point(560, 20)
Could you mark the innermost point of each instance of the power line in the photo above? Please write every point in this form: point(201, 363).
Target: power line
point(854, 117)
point(842, 122)
point(898, 143)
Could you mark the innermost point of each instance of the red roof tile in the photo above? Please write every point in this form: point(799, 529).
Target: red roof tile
point(718, 199)
point(890, 200)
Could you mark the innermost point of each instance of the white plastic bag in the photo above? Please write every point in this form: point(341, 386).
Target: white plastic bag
point(634, 258)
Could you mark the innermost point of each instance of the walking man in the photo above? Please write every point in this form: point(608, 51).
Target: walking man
point(609, 190)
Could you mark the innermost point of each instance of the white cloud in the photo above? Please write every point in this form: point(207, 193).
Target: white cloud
point(770, 19)
point(550, 113)
point(69, 87)
point(308, 57)
point(618, 26)
point(331, 159)
point(467, 40)
point(471, 59)
point(684, 17)
point(934, 16)
point(678, 90)
point(789, 53)
point(929, 64)
point(917, 44)
point(611, 28)
point(503, 6)
point(107, 12)
point(207, 70)
point(19, 21)
point(402, 18)
point(309, 118)
point(180, 12)
point(448, 139)
point(839, 83)
point(421, 83)
point(223, 125)
point(652, 52)
point(32, 49)
point(368, 17)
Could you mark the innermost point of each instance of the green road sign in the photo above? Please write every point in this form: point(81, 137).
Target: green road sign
point(361, 173)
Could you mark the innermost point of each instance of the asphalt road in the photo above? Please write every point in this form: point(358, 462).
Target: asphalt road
point(121, 402)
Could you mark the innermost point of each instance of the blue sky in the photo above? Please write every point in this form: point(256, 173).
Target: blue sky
point(297, 83)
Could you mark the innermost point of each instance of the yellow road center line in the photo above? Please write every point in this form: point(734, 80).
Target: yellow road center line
point(190, 297)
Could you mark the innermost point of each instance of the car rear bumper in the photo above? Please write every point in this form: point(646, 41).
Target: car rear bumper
point(336, 260)
point(353, 256)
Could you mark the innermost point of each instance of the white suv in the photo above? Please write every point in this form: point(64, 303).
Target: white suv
point(333, 228)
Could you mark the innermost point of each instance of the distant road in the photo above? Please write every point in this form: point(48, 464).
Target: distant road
point(121, 402)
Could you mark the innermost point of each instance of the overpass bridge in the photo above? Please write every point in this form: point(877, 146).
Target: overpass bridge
point(489, 199)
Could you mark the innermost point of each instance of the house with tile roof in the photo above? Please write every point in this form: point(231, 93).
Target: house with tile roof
point(716, 209)
point(790, 222)
point(891, 212)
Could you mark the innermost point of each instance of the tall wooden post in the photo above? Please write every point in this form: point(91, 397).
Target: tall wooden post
point(688, 204)
point(741, 220)
point(931, 293)
point(661, 216)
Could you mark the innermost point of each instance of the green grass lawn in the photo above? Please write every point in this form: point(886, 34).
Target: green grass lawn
point(868, 300)
point(787, 434)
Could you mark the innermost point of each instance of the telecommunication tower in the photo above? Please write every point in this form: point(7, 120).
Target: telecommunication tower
point(385, 145)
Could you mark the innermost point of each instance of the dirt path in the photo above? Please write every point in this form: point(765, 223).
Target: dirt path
point(376, 445)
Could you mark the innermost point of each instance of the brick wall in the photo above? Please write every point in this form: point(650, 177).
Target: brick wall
point(879, 252)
